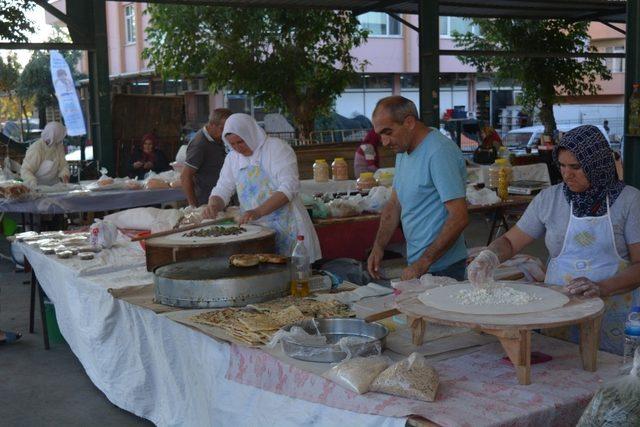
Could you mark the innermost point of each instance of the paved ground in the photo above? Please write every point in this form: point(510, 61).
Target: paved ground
point(50, 388)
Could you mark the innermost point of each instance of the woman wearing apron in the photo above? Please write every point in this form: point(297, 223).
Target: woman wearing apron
point(44, 162)
point(263, 171)
point(591, 224)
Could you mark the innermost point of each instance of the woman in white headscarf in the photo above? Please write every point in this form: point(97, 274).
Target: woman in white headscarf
point(44, 162)
point(264, 172)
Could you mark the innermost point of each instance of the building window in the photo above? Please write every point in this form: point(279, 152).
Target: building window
point(615, 65)
point(451, 24)
point(130, 23)
point(380, 24)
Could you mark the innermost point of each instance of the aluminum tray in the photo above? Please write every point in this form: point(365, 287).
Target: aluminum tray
point(335, 329)
point(212, 283)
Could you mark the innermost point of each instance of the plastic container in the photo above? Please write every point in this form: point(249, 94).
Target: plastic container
point(300, 270)
point(321, 171)
point(385, 179)
point(631, 335)
point(494, 171)
point(55, 337)
point(634, 111)
point(503, 184)
point(366, 181)
point(339, 169)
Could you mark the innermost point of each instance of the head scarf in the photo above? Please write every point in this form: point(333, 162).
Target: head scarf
point(246, 128)
point(592, 151)
point(53, 133)
point(148, 157)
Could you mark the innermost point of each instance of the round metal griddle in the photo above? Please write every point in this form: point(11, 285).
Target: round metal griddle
point(213, 283)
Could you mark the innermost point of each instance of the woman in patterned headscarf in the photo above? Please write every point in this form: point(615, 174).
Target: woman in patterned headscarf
point(591, 224)
point(147, 157)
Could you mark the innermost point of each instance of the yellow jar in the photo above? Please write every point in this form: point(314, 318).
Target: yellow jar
point(366, 181)
point(340, 169)
point(385, 179)
point(321, 171)
point(494, 171)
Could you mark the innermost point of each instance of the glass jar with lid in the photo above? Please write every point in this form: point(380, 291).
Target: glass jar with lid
point(385, 179)
point(321, 171)
point(339, 169)
point(366, 182)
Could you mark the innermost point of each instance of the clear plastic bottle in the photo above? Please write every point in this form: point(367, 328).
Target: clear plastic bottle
point(494, 171)
point(300, 269)
point(634, 111)
point(631, 335)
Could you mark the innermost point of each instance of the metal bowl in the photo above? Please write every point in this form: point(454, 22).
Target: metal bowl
point(334, 329)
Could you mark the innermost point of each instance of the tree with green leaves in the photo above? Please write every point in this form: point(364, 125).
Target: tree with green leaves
point(9, 75)
point(543, 80)
point(297, 60)
point(14, 25)
point(35, 81)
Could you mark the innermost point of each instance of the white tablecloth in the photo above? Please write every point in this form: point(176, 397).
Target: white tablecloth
point(310, 187)
point(95, 201)
point(159, 369)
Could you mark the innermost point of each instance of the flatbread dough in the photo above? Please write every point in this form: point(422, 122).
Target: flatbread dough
point(444, 298)
point(272, 258)
point(244, 260)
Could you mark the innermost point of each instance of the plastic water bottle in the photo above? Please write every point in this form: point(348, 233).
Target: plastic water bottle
point(300, 269)
point(631, 335)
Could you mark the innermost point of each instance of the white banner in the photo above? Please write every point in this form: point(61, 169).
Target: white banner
point(66, 94)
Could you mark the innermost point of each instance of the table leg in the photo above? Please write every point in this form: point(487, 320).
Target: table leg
point(589, 341)
point(45, 331)
point(418, 328)
point(32, 302)
point(517, 345)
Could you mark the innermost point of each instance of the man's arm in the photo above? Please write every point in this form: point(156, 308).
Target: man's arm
point(456, 222)
point(186, 178)
point(389, 221)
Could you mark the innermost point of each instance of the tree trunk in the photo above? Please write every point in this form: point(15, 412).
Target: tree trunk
point(547, 118)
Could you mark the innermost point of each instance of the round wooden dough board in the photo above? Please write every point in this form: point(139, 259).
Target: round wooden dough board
point(178, 239)
point(443, 299)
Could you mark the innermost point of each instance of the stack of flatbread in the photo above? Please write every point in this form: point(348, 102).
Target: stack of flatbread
point(256, 327)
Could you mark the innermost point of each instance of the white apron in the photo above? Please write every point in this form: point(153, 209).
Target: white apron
point(589, 250)
point(47, 174)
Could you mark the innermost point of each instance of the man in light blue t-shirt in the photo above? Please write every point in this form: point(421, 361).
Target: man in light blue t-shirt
point(428, 195)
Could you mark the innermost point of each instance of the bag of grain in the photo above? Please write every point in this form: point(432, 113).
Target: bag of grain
point(412, 378)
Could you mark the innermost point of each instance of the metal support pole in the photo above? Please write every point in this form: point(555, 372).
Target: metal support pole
point(429, 45)
point(632, 143)
point(101, 97)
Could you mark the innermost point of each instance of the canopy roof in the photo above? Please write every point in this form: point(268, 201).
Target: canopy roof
point(590, 10)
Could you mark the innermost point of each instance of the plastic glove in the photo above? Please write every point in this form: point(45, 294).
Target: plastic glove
point(480, 271)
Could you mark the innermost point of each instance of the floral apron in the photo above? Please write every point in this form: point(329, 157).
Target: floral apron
point(254, 187)
point(589, 250)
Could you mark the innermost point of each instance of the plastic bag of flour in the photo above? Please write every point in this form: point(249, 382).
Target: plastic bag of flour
point(103, 233)
point(358, 373)
point(616, 404)
point(412, 378)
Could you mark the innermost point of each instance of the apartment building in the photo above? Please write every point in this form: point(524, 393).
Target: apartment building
point(391, 53)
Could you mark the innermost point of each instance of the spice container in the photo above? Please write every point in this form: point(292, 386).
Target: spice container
point(339, 169)
point(320, 171)
point(366, 181)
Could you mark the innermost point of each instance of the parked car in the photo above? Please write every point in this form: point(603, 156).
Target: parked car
point(529, 136)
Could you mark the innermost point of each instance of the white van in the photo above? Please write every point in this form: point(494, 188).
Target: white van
point(529, 136)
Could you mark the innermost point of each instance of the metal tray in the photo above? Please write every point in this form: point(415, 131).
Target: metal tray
point(335, 329)
point(212, 283)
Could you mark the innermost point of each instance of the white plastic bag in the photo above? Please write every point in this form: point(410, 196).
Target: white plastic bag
point(153, 219)
point(412, 378)
point(484, 196)
point(103, 233)
point(377, 199)
point(358, 373)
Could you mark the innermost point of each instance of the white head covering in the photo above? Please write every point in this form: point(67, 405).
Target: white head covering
point(53, 133)
point(246, 128)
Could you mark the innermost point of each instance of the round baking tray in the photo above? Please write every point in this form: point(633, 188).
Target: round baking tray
point(373, 334)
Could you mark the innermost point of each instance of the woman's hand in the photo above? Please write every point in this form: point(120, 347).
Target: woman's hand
point(584, 286)
point(480, 271)
point(148, 165)
point(137, 165)
point(210, 212)
point(250, 215)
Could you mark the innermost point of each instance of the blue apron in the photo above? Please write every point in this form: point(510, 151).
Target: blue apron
point(589, 250)
point(254, 187)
